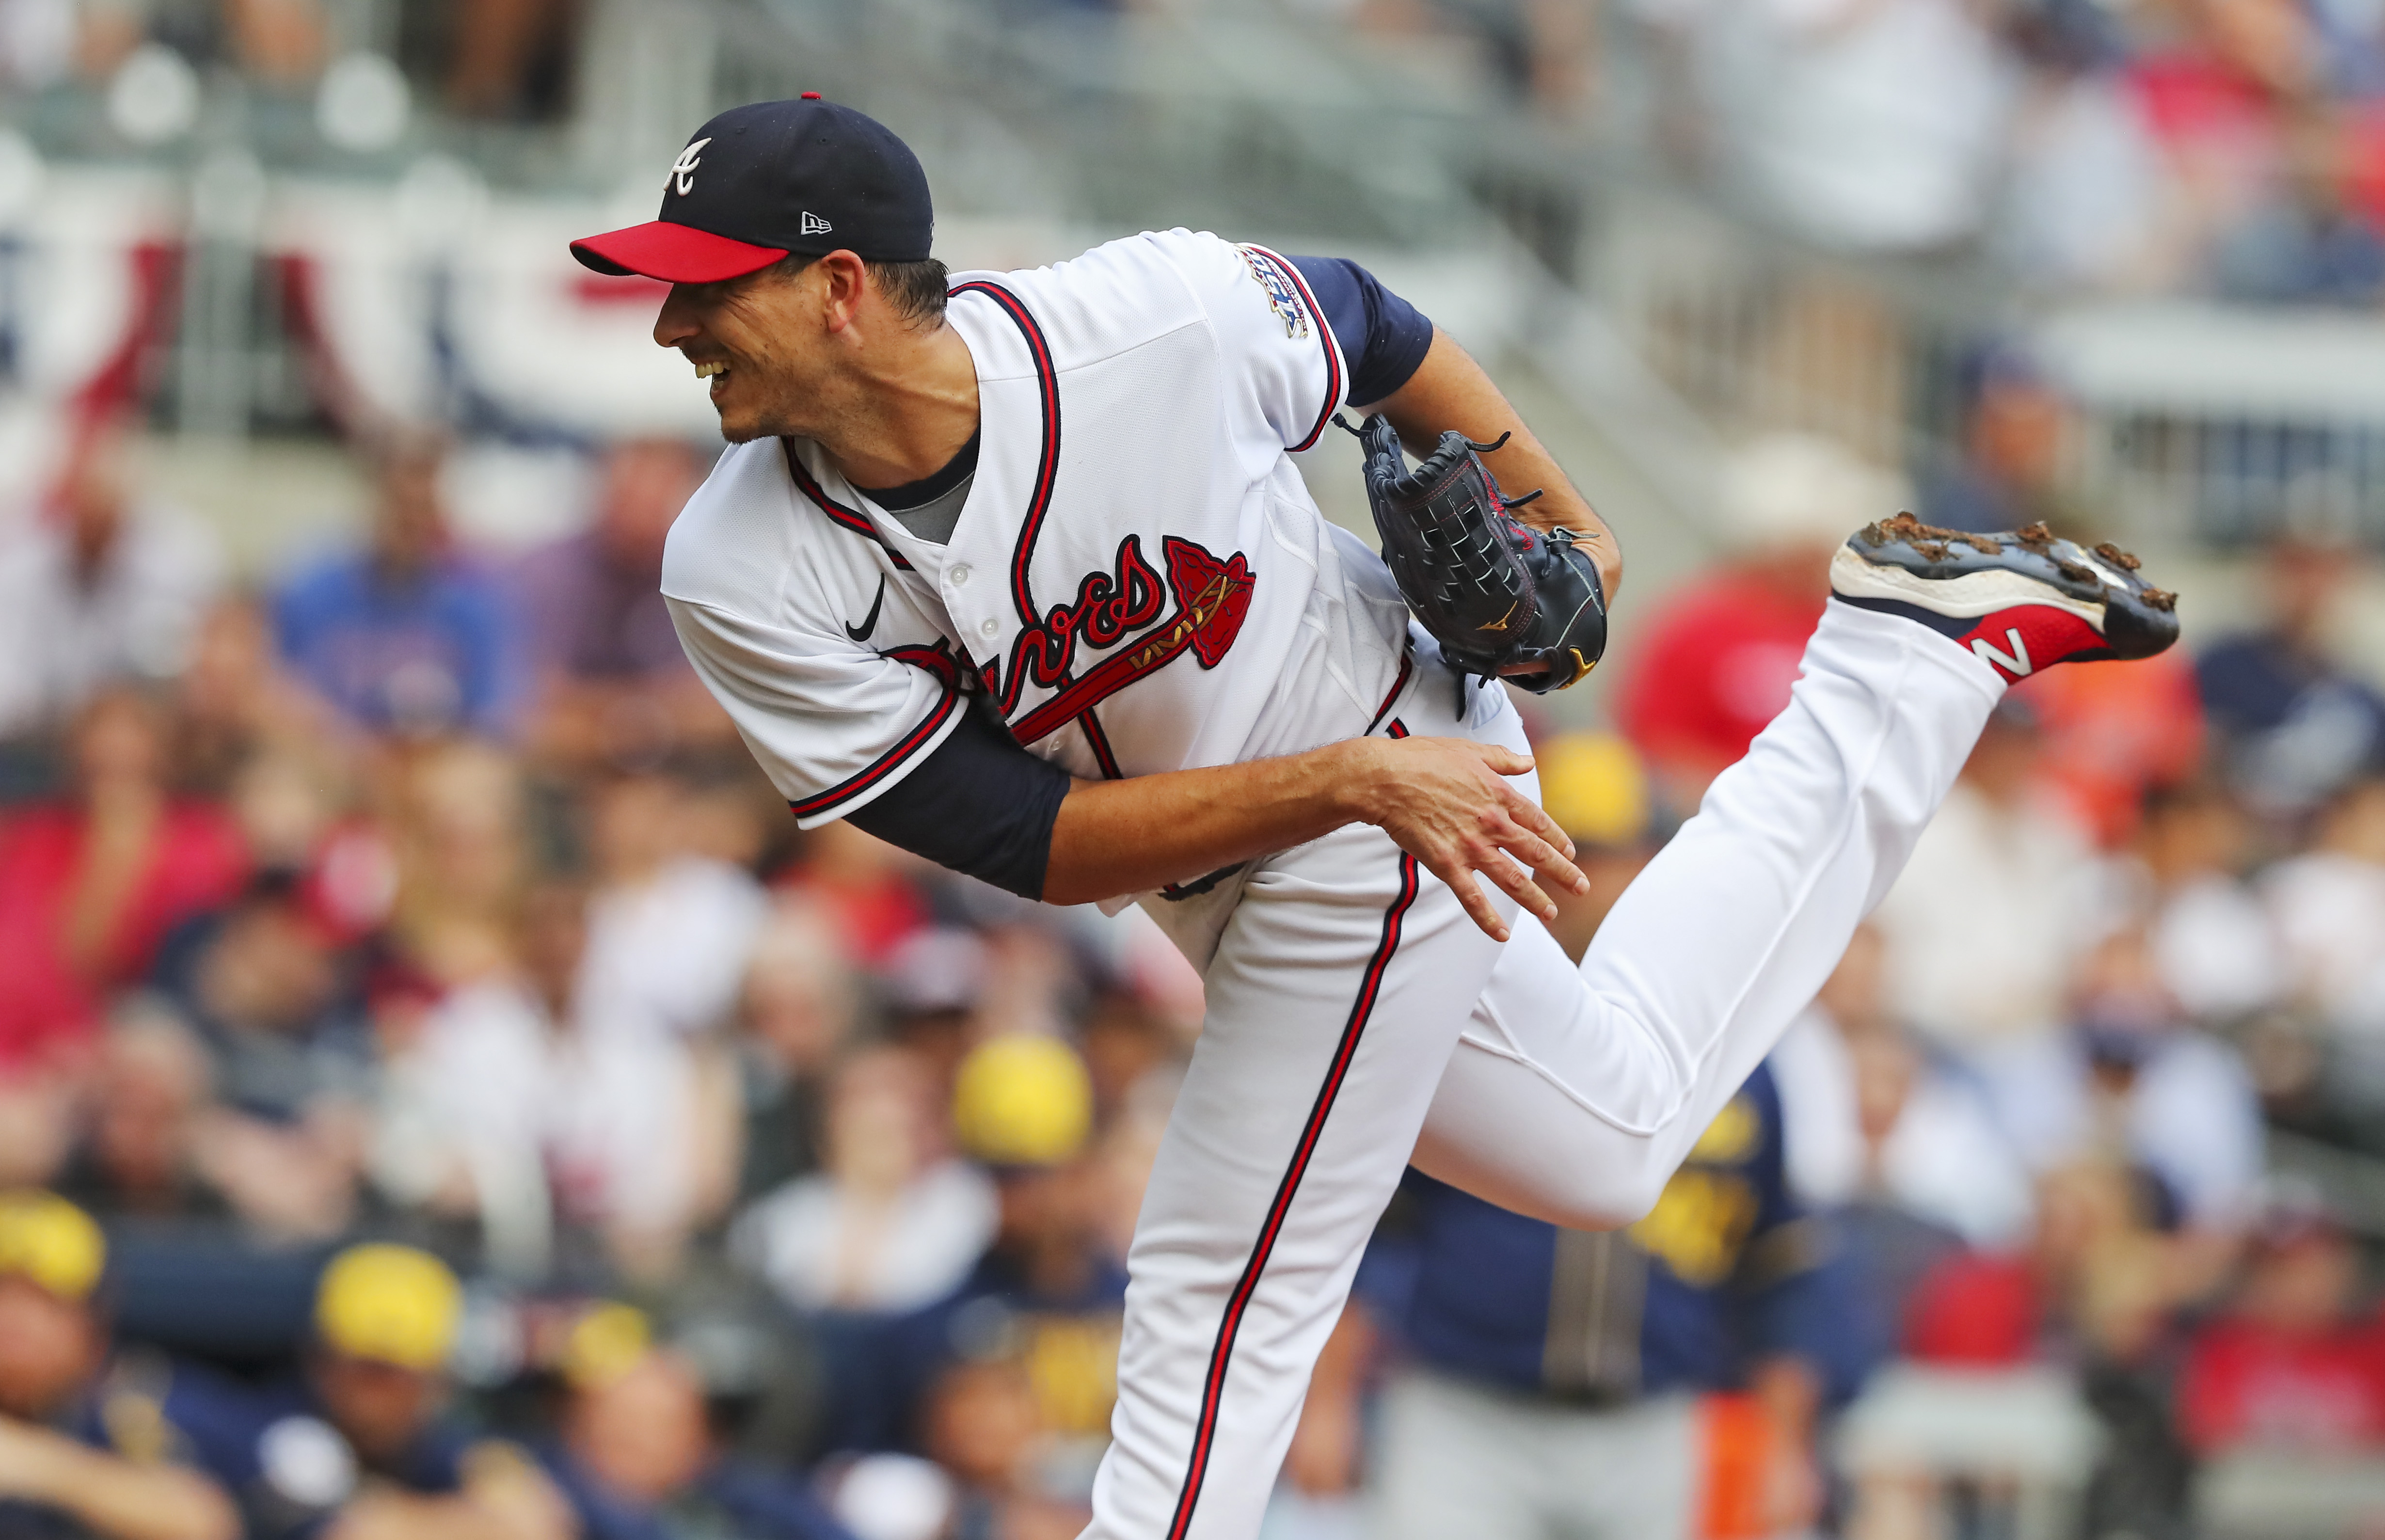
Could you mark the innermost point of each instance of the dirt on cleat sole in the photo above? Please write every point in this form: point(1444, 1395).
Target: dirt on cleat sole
point(1956, 573)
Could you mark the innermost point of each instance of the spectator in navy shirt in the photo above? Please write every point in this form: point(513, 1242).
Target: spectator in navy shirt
point(1642, 1384)
point(92, 1447)
point(1047, 1287)
point(610, 680)
point(2009, 473)
point(2294, 724)
point(362, 1443)
point(640, 1458)
point(404, 635)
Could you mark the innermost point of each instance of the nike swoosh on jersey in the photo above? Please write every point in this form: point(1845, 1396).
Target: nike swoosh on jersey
point(869, 621)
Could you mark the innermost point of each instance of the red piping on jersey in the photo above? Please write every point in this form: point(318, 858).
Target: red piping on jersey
point(1325, 334)
point(1101, 746)
point(886, 764)
point(852, 518)
point(1047, 466)
point(938, 660)
point(1391, 699)
point(1212, 1391)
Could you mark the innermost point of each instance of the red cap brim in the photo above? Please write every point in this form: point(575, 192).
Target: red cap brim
point(676, 254)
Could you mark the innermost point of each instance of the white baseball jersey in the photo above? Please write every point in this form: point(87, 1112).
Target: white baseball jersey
point(1141, 582)
point(1138, 576)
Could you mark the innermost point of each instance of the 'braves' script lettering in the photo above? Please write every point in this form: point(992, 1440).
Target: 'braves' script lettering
point(1211, 598)
point(1108, 605)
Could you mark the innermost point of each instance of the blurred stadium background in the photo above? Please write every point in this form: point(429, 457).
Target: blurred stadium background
point(440, 1092)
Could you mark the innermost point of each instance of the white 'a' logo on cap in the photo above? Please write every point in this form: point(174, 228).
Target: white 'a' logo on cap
point(815, 225)
point(682, 171)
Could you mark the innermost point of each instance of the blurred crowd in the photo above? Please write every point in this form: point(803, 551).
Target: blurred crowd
point(2234, 148)
point(2228, 147)
point(2139, 944)
point(439, 1090)
point(485, 60)
point(423, 895)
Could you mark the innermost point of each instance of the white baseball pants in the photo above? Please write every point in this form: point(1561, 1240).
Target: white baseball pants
point(1356, 1016)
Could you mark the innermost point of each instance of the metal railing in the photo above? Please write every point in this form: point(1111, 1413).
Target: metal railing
point(1238, 115)
point(1243, 118)
point(1667, 311)
point(2220, 425)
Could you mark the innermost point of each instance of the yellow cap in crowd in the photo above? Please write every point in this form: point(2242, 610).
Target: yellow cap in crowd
point(607, 1341)
point(1593, 786)
point(1023, 1100)
point(391, 1304)
point(48, 1241)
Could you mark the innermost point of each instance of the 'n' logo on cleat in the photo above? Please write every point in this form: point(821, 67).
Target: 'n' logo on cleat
point(2015, 663)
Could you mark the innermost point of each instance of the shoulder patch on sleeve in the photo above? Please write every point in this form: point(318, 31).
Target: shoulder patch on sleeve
point(1283, 295)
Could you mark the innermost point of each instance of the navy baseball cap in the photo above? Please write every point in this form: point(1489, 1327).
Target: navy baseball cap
point(764, 181)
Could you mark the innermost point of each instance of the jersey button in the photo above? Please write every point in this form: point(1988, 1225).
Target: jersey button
point(990, 628)
point(958, 576)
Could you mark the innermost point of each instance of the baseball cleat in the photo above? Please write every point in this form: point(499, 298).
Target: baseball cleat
point(2022, 602)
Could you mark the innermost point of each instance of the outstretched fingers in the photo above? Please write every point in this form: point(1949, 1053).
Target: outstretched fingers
point(1478, 906)
point(1489, 854)
point(1504, 762)
point(1455, 810)
point(1517, 884)
point(1533, 837)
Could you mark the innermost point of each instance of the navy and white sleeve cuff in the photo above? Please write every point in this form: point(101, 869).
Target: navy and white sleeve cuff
point(1383, 337)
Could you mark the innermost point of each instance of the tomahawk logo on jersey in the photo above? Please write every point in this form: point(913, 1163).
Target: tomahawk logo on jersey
point(1138, 578)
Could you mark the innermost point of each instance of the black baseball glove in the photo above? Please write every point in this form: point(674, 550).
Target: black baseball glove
point(1493, 591)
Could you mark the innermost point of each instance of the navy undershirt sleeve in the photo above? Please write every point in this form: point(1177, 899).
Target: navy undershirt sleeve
point(978, 804)
point(1383, 338)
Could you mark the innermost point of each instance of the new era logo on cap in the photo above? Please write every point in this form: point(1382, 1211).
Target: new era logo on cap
point(803, 175)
